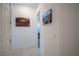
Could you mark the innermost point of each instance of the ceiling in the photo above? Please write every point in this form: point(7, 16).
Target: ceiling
point(35, 5)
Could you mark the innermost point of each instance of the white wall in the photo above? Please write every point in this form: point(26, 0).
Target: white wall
point(68, 24)
point(48, 31)
point(23, 37)
point(60, 38)
point(5, 29)
point(0, 30)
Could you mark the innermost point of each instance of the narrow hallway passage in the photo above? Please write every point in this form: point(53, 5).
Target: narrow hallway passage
point(39, 29)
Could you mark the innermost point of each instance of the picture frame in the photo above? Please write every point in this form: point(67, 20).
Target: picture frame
point(21, 22)
point(47, 17)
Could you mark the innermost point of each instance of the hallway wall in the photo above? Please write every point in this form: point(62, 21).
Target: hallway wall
point(5, 29)
point(49, 31)
point(60, 37)
point(23, 37)
point(0, 31)
point(68, 29)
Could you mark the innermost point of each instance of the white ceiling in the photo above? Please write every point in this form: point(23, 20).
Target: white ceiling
point(35, 5)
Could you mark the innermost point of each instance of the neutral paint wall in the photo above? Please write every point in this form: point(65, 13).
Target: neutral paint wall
point(0, 31)
point(68, 24)
point(5, 29)
point(48, 31)
point(60, 37)
point(23, 37)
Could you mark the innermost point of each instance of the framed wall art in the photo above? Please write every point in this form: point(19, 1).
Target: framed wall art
point(21, 22)
point(47, 17)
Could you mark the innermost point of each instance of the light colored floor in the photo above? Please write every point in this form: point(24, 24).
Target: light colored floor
point(25, 52)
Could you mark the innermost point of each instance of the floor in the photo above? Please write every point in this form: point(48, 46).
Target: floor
point(33, 51)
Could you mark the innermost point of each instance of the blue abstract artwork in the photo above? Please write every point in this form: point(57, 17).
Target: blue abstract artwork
point(47, 17)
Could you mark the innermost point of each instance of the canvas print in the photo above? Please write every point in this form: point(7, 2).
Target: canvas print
point(47, 17)
point(21, 21)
